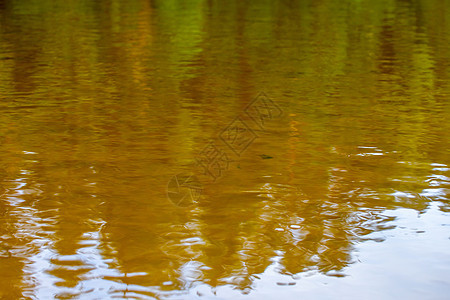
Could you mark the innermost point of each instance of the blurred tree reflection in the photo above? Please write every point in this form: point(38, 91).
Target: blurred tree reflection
point(102, 102)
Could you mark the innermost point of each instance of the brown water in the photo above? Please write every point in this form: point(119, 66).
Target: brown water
point(315, 135)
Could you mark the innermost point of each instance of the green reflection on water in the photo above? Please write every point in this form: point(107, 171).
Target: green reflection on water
point(103, 102)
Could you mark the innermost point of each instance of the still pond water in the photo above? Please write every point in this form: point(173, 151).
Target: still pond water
point(224, 149)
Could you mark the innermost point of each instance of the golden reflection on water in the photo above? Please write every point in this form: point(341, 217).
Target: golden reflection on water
point(103, 102)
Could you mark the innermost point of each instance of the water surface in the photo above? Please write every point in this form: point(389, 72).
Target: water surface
point(341, 190)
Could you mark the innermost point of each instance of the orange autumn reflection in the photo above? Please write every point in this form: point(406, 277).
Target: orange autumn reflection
point(103, 102)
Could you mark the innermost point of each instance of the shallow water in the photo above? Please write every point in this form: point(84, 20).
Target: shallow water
point(224, 150)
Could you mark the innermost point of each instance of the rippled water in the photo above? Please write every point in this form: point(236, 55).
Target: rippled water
point(330, 119)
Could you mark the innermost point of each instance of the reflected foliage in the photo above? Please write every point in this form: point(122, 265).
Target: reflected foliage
point(102, 102)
